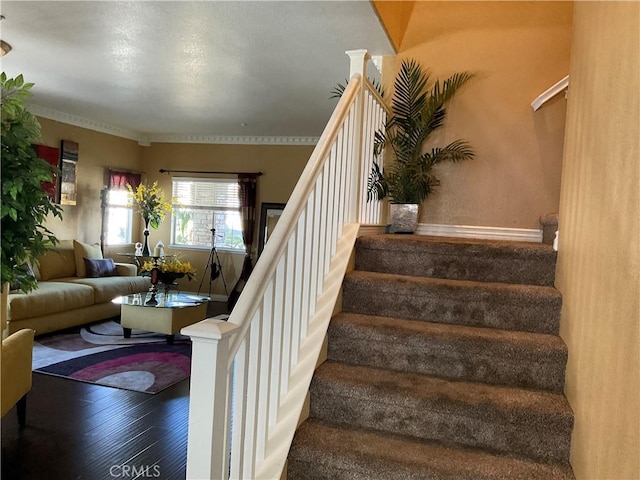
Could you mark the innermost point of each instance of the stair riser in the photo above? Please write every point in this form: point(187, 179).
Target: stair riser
point(487, 363)
point(522, 266)
point(323, 451)
point(472, 307)
point(543, 439)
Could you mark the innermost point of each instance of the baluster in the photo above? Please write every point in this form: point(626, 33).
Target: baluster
point(280, 357)
point(253, 395)
point(342, 151)
point(299, 273)
point(295, 321)
point(288, 306)
point(315, 259)
point(368, 156)
point(266, 324)
point(331, 208)
point(324, 221)
point(309, 253)
point(321, 198)
point(239, 409)
point(350, 159)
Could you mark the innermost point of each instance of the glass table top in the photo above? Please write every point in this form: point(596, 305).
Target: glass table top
point(162, 300)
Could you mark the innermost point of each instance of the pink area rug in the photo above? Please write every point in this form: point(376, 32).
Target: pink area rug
point(99, 354)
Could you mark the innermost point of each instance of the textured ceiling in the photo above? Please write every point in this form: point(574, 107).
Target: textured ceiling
point(151, 69)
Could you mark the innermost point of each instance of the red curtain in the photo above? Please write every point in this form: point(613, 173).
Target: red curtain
point(118, 180)
point(248, 194)
point(248, 190)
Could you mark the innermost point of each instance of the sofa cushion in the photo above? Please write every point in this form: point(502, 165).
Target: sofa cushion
point(82, 251)
point(57, 263)
point(108, 288)
point(49, 297)
point(99, 267)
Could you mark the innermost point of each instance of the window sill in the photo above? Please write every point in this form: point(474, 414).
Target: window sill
point(218, 249)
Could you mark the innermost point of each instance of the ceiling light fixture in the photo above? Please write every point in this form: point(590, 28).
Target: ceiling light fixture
point(4, 48)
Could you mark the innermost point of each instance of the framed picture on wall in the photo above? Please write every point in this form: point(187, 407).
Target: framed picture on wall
point(51, 155)
point(68, 170)
point(269, 216)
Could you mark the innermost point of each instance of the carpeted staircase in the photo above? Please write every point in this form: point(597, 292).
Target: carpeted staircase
point(445, 363)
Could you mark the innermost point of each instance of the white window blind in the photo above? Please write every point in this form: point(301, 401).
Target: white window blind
point(202, 205)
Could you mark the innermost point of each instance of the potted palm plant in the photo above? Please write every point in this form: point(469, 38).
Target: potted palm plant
point(417, 110)
point(25, 205)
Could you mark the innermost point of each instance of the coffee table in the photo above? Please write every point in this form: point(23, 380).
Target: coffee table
point(167, 314)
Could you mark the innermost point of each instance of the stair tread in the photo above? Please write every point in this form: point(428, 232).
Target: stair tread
point(325, 450)
point(459, 259)
point(459, 352)
point(470, 285)
point(530, 308)
point(407, 329)
point(455, 244)
point(413, 389)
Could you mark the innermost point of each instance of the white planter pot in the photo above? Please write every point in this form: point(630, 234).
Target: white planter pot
point(403, 217)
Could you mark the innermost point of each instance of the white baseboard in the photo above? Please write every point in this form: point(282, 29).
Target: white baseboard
point(488, 233)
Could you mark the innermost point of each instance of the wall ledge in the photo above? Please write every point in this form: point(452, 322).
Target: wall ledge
point(480, 232)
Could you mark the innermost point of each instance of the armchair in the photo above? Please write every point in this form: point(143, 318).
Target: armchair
point(15, 371)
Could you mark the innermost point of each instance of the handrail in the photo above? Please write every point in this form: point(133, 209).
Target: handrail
point(267, 263)
point(250, 375)
point(550, 92)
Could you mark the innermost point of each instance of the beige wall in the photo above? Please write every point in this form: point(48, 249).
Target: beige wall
point(281, 165)
point(95, 151)
point(599, 258)
point(518, 50)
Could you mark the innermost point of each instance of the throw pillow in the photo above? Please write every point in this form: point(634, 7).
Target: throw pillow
point(104, 267)
point(59, 262)
point(82, 251)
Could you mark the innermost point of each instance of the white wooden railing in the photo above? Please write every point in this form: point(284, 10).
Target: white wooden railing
point(250, 375)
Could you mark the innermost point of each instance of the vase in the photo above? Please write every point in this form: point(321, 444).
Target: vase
point(145, 249)
point(403, 217)
point(168, 279)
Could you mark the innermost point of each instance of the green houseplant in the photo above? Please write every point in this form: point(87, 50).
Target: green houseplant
point(25, 205)
point(417, 110)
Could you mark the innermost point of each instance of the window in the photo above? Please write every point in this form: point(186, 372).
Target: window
point(119, 217)
point(115, 199)
point(204, 204)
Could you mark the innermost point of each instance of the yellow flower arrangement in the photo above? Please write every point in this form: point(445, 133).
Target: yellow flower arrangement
point(150, 202)
point(172, 266)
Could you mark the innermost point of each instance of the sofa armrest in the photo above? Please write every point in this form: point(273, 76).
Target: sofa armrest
point(17, 351)
point(126, 269)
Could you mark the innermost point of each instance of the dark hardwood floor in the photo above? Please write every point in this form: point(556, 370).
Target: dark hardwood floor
point(77, 430)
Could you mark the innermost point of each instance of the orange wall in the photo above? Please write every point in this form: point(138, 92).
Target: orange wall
point(394, 16)
point(599, 256)
point(518, 50)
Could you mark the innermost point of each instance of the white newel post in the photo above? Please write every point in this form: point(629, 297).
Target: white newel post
point(358, 66)
point(207, 454)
